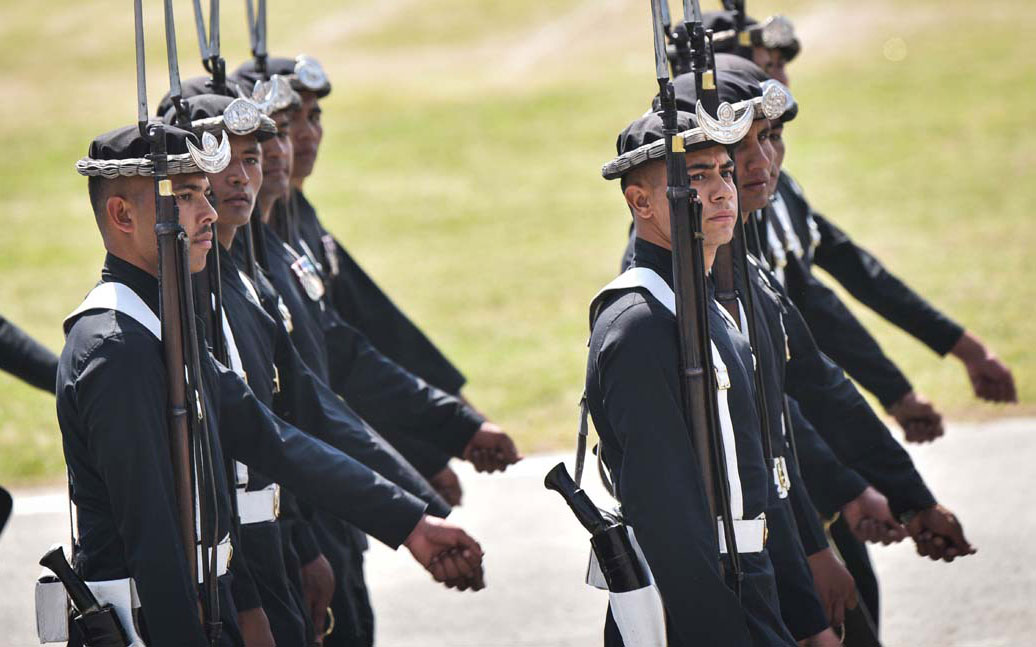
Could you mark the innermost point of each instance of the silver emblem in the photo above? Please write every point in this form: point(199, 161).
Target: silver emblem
point(308, 278)
point(776, 99)
point(310, 73)
point(242, 117)
point(273, 95)
point(778, 32)
point(726, 127)
point(213, 156)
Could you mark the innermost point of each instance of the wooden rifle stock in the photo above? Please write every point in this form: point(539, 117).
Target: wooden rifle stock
point(170, 239)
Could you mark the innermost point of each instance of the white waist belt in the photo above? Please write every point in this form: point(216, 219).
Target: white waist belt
point(224, 550)
point(750, 535)
point(259, 506)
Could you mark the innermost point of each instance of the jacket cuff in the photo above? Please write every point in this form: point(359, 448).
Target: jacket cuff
point(455, 435)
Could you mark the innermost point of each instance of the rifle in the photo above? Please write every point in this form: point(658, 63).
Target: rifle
point(698, 377)
point(190, 442)
point(255, 242)
point(208, 293)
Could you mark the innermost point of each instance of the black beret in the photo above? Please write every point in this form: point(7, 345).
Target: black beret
point(304, 72)
point(776, 28)
point(642, 141)
point(207, 113)
point(194, 86)
point(743, 72)
point(737, 80)
point(124, 151)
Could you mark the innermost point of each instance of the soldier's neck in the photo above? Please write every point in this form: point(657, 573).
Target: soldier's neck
point(225, 234)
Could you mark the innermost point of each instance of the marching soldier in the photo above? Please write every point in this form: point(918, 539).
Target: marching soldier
point(111, 409)
point(802, 237)
point(354, 295)
point(633, 395)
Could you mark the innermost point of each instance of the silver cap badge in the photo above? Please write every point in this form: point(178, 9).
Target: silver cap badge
point(309, 72)
point(242, 117)
point(213, 156)
point(726, 127)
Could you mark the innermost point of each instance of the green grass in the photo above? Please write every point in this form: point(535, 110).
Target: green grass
point(460, 165)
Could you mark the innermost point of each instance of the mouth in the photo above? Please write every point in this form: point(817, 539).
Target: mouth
point(203, 239)
point(239, 200)
point(722, 216)
point(756, 184)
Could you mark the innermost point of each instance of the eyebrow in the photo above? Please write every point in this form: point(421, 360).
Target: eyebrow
point(190, 186)
point(252, 150)
point(702, 166)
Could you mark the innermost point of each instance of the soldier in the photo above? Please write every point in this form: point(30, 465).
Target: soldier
point(354, 295)
point(803, 237)
point(827, 398)
point(385, 395)
point(111, 409)
point(263, 354)
point(633, 395)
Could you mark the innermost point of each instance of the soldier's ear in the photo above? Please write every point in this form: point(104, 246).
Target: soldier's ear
point(638, 200)
point(120, 214)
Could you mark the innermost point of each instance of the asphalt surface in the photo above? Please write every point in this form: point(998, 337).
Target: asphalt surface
point(536, 556)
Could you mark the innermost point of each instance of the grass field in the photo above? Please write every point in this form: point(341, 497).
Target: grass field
point(460, 165)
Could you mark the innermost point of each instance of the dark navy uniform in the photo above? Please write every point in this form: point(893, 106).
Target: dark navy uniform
point(25, 358)
point(633, 393)
point(282, 381)
point(111, 395)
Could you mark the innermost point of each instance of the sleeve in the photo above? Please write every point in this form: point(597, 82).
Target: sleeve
point(121, 398)
point(26, 359)
point(391, 398)
point(242, 584)
point(641, 400)
point(310, 468)
point(830, 484)
point(848, 424)
point(869, 282)
point(362, 303)
point(426, 458)
point(313, 407)
point(840, 335)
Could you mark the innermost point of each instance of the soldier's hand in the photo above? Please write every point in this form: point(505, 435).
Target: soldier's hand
point(870, 519)
point(255, 628)
point(447, 484)
point(490, 449)
point(447, 552)
point(939, 535)
point(990, 378)
point(834, 585)
point(917, 416)
point(318, 587)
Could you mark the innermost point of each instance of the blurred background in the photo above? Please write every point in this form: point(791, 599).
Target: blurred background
point(460, 165)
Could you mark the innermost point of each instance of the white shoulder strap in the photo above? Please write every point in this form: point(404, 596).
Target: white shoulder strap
point(642, 277)
point(120, 298)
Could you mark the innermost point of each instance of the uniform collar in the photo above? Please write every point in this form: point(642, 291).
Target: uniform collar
point(655, 258)
point(120, 271)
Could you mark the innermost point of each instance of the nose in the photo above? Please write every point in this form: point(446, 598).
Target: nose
point(236, 173)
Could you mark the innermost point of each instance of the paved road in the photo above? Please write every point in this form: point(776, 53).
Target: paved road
point(536, 556)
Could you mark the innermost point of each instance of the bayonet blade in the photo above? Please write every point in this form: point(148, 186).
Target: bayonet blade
point(661, 60)
point(138, 28)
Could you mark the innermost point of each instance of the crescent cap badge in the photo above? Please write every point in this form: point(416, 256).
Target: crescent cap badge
point(213, 156)
point(309, 72)
point(778, 31)
point(273, 95)
point(242, 117)
point(726, 127)
point(776, 99)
